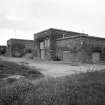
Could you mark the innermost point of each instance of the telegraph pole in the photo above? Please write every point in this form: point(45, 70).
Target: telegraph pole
point(15, 32)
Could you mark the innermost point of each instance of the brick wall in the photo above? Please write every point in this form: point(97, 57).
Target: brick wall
point(80, 48)
point(76, 46)
point(14, 47)
point(52, 34)
point(71, 49)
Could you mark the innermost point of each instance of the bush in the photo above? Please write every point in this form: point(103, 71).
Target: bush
point(18, 49)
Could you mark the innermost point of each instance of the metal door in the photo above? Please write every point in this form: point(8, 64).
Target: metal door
point(42, 52)
point(95, 57)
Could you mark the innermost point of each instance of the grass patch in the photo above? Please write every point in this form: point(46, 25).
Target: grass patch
point(80, 89)
point(9, 68)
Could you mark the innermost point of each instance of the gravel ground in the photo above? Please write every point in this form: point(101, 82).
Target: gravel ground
point(54, 69)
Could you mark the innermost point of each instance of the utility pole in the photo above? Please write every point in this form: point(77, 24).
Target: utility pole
point(15, 32)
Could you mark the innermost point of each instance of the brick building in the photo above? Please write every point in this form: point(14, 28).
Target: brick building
point(55, 44)
point(19, 47)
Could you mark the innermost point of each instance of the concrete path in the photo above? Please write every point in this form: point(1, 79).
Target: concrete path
point(55, 69)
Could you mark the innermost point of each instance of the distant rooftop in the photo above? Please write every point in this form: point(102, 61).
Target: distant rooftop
point(20, 39)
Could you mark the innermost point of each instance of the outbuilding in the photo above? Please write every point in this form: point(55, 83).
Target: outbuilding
point(55, 44)
point(19, 47)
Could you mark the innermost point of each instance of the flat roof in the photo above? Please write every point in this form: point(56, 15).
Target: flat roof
point(38, 34)
point(95, 37)
point(58, 30)
point(20, 39)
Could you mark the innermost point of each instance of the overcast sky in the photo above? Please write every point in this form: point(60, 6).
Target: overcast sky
point(23, 18)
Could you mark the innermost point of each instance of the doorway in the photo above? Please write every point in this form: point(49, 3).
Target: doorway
point(96, 57)
point(42, 54)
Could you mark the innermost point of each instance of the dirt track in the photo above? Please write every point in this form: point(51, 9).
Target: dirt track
point(55, 69)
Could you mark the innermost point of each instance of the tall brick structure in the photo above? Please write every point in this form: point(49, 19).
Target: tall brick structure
point(55, 44)
point(19, 47)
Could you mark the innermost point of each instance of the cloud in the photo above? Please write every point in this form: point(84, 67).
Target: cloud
point(36, 15)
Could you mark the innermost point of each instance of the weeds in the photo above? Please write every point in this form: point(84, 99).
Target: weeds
point(80, 89)
point(8, 69)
